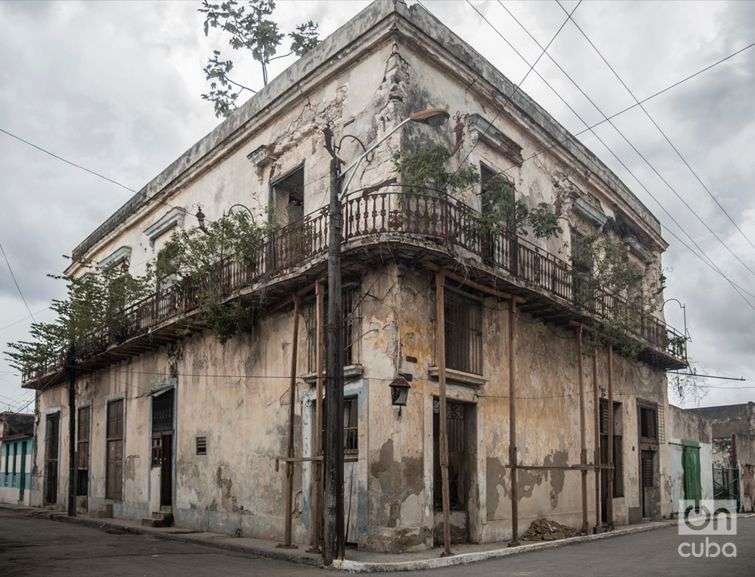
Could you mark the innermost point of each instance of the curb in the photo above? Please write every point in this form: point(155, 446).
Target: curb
point(346, 565)
point(105, 525)
point(474, 557)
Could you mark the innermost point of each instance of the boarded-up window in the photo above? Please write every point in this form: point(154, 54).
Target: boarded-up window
point(82, 452)
point(114, 439)
point(463, 332)
point(648, 423)
point(350, 426)
point(352, 332)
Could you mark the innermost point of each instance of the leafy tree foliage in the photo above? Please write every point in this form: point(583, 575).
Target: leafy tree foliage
point(247, 26)
point(427, 169)
point(94, 303)
point(197, 259)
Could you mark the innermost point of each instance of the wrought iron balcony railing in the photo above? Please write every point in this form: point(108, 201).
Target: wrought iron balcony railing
point(393, 216)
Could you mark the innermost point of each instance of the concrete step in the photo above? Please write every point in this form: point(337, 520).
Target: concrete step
point(158, 520)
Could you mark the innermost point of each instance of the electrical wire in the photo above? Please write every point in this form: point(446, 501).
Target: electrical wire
point(15, 282)
point(516, 87)
point(654, 122)
point(709, 262)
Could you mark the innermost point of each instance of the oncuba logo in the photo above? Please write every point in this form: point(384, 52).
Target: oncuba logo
point(707, 518)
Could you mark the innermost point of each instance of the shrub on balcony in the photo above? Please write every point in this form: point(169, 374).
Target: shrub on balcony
point(202, 260)
point(93, 304)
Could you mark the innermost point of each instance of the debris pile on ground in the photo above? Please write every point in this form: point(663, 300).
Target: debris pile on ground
point(547, 530)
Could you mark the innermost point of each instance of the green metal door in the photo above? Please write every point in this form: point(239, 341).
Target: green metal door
point(691, 467)
point(22, 481)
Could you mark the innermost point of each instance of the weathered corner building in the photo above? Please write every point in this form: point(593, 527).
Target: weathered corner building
point(171, 420)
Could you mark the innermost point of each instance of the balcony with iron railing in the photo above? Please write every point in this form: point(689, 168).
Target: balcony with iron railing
point(417, 222)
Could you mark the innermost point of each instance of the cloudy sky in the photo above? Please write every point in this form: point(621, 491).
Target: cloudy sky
point(115, 87)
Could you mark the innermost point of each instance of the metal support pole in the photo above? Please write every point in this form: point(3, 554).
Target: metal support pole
point(609, 490)
point(71, 366)
point(333, 526)
point(596, 425)
point(512, 425)
point(582, 430)
point(440, 354)
point(287, 539)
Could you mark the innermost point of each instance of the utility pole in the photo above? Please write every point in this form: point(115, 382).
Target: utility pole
point(333, 529)
point(71, 369)
point(333, 541)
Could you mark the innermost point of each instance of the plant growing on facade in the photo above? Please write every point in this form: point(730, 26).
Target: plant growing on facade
point(609, 283)
point(427, 169)
point(94, 303)
point(199, 262)
point(247, 26)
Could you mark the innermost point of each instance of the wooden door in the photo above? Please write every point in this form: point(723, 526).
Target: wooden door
point(52, 441)
point(114, 469)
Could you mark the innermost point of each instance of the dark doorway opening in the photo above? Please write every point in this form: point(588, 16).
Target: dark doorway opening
point(82, 452)
point(52, 438)
point(162, 443)
point(460, 427)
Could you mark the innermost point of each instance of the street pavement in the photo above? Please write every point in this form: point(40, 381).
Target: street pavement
point(37, 547)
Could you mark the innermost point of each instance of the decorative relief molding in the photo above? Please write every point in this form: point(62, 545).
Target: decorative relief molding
point(116, 257)
point(494, 138)
point(171, 219)
point(587, 210)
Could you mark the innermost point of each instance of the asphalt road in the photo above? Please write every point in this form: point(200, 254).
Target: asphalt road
point(31, 547)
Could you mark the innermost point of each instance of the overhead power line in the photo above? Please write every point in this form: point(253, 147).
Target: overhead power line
point(517, 87)
point(708, 376)
point(703, 258)
point(84, 168)
point(15, 282)
point(640, 154)
point(60, 158)
point(655, 123)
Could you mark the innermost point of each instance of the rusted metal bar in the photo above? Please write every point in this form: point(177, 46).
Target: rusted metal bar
point(512, 425)
point(582, 430)
point(609, 447)
point(287, 538)
point(579, 467)
point(320, 368)
point(440, 353)
point(596, 425)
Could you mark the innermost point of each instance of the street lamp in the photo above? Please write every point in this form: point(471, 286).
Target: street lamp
point(333, 541)
point(684, 314)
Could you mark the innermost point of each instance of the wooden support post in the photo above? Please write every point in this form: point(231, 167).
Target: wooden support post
point(71, 367)
point(596, 425)
point(440, 354)
point(287, 539)
point(512, 425)
point(317, 448)
point(609, 447)
point(582, 430)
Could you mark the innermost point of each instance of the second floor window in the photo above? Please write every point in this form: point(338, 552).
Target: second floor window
point(352, 328)
point(463, 332)
point(648, 422)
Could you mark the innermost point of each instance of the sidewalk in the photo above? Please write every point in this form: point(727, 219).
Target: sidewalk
point(356, 561)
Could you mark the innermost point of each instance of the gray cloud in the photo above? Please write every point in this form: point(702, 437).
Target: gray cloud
point(116, 86)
